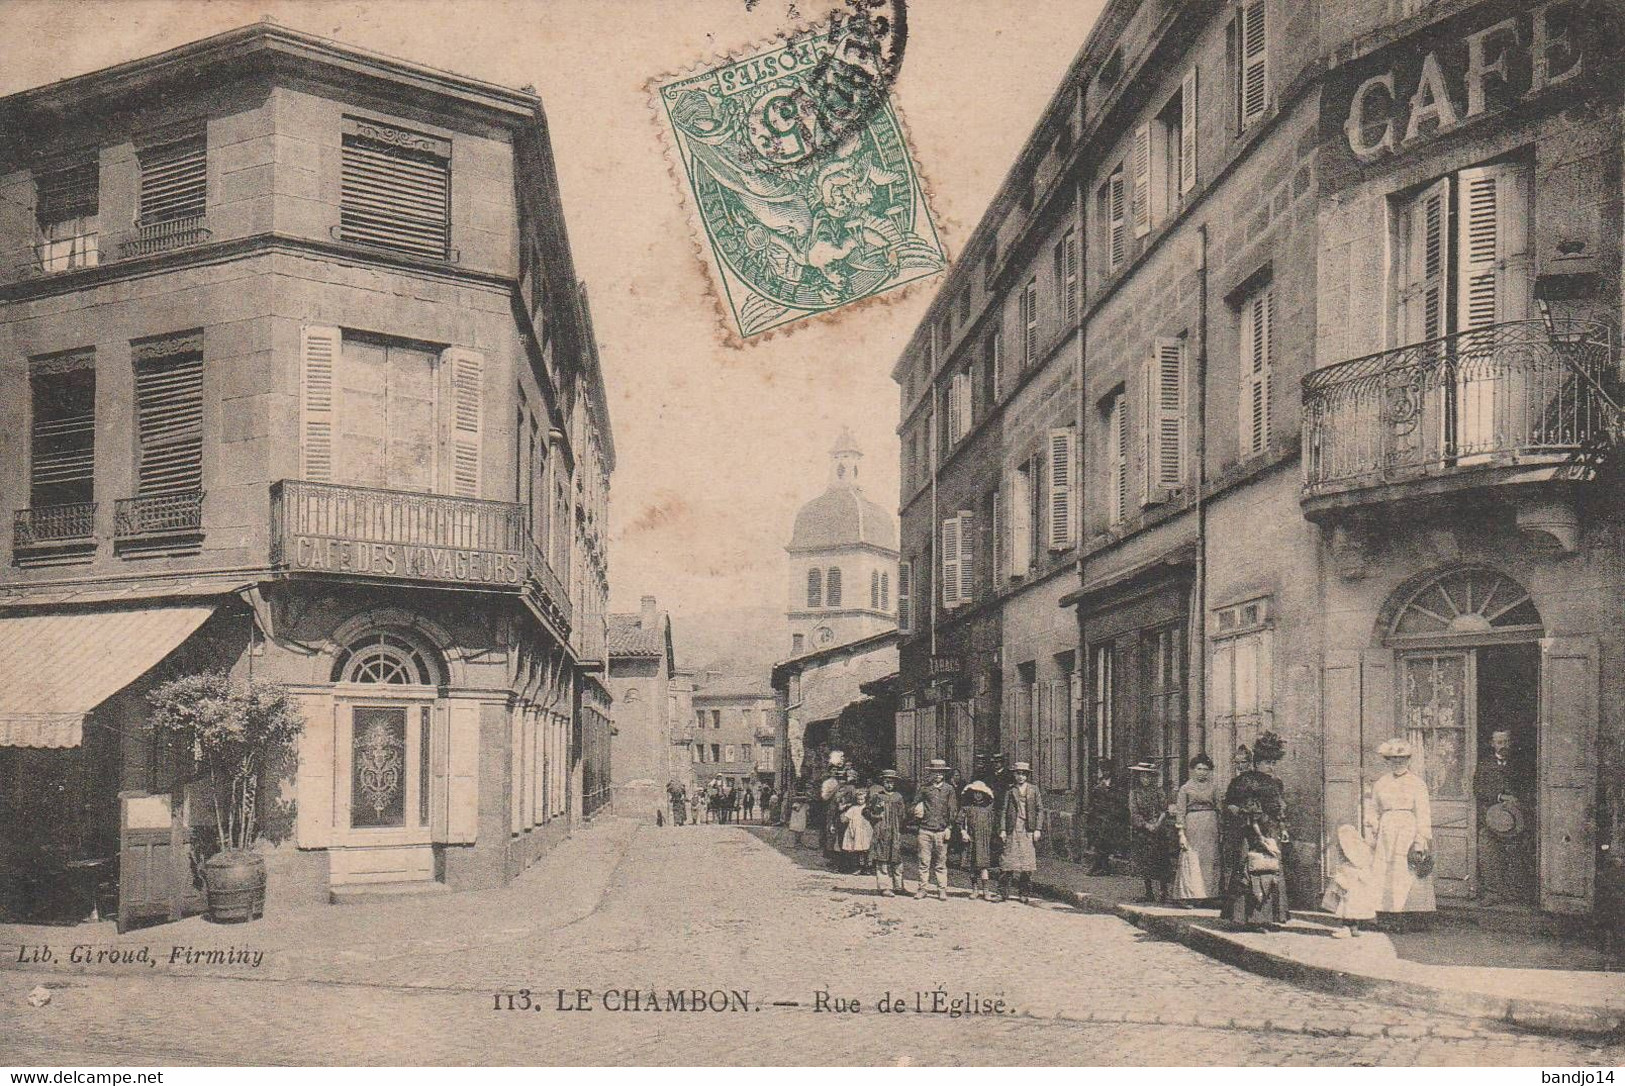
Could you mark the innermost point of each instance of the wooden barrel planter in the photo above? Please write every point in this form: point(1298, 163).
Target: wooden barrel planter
point(236, 884)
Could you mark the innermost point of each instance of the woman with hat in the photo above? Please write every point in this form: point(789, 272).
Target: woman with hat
point(1401, 829)
point(1020, 825)
point(1255, 838)
point(976, 817)
point(884, 810)
point(1147, 815)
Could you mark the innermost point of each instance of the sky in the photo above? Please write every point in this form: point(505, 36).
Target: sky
point(716, 447)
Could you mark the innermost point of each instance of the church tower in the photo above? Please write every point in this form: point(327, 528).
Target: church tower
point(843, 560)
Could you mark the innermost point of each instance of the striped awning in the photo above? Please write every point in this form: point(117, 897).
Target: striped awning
point(55, 668)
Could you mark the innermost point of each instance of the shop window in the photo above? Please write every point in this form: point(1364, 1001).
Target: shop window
point(1103, 688)
point(1163, 700)
point(396, 190)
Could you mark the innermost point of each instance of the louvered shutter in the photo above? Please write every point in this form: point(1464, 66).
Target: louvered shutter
point(466, 374)
point(1142, 181)
point(1118, 424)
point(1029, 320)
point(1116, 224)
point(169, 413)
point(905, 600)
point(874, 590)
point(950, 562)
point(964, 402)
point(1187, 133)
point(395, 197)
point(67, 193)
point(1061, 511)
point(318, 360)
point(1422, 298)
point(1254, 57)
point(1493, 255)
point(1164, 385)
point(995, 543)
point(1257, 315)
point(815, 588)
point(832, 586)
point(967, 557)
point(1070, 280)
point(995, 350)
point(1021, 524)
point(174, 181)
point(885, 590)
point(62, 438)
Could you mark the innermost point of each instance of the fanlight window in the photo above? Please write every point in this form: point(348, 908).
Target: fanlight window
point(1464, 602)
point(386, 659)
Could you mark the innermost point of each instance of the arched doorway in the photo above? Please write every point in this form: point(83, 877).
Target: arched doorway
point(1467, 652)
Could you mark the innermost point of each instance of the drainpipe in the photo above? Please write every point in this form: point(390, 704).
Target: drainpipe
point(1081, 761)
point(1198, 617)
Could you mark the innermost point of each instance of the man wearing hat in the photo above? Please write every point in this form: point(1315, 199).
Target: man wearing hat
point(884, 809)
point(936, 808)
point(1022, 825)
point(1499, 787)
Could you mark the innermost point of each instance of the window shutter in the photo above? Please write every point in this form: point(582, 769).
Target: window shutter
point(174, 181)
point(964, 400)
point(995, 567)
point(874, 590)
point(1254, 55)
point(1021, 524)
point(314, 813)
point(395, 197)
point(466, 371)
point(462, 762)
point(1061, 510)
point(1493, 256)
point(1142, 181)
point(832, 586)
point(318, 354)
point(815, 588)
point(1187, 133)
point(967, 557)
point(62, 441)
point(950, 562)
point(995, 350)
point(885, 591)
point(905, 600)
point(1118, 425)
point(1165, 417)
point(169, 411)
point(1029, 321)
point(1422, 298)
point(1116, 226)
point(1257, 315)
point(67, 193)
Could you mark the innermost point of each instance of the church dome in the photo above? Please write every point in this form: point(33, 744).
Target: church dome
point(842, 515)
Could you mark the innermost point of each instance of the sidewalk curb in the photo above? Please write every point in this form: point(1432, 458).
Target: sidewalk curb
point(1536, 1015)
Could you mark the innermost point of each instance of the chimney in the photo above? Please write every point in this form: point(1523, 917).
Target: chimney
point(648, 619)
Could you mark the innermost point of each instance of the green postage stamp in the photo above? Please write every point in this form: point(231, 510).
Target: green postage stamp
point(802, 207)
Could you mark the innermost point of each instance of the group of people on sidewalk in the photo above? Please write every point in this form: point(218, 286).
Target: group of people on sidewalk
point(998, 817)
point(1205, 846)
point(720, 800)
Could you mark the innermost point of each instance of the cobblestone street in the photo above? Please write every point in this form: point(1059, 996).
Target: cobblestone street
point(719, 909)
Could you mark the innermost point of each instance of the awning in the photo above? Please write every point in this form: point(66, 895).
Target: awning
point(55, 668)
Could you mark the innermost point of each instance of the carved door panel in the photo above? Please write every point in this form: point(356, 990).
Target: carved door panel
point(1438, 709)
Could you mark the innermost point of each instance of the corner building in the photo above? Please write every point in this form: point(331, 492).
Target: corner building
point(299, 382)
point(1333, 292)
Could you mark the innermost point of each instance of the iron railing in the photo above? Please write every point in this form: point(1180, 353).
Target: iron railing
point(1510, 393)
point(158, 514)
point(54, 524)
point(160, 237)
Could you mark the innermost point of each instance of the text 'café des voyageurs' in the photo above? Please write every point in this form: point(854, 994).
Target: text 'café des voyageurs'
point(298, 383)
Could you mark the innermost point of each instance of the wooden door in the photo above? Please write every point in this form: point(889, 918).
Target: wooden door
point(1569, 688)
point(155, 862)
point(1437, 692)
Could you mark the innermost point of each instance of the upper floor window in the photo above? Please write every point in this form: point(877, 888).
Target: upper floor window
point(174, 178)
point(1114, 220)
point(1257, 363)
point(1029, 323)
point(815, 588)
point(1252, 62)
point(169, 415)
point(832, 587)
point(874, 590)
point(958, 560)
point(65, 212)
point(1117, 457)
point(905, 594)
point(994, 361)
point(396, 189)
point(1163, 431)
point(1061, 506)
point(1066, 275)
point(62, 430)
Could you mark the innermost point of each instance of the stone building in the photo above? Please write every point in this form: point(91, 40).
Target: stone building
point(644, 683)
point(299, 382)
point(734, 729)
point(810, 693)
point(1316, 308)
point(843, 560)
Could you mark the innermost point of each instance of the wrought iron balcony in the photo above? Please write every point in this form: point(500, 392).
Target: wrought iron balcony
point(51, 525)
point(158, 237)
point(158, 514)
point(1521, 395)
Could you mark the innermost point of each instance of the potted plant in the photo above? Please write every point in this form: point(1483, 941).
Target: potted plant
point(239, 731)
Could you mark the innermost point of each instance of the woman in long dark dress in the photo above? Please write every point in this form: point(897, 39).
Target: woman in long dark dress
point(1255, 838)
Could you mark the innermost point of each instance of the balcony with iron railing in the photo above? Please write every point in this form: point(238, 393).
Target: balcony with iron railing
point(178, 513)
point(1527, 401)
point(410, 536)
point(159, 237)
point(54, 525)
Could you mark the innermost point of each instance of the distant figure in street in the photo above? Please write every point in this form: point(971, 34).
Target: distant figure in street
point(1020, 826)
point(1106, 819)
point(696, 801)
point(1196, 817)
point(857, 835)
point(1255, 838)
point(977, 819)
point(749, 800)
point(1147, 814)
point(884, 810)
point(1401, 837)
point(677, 797)
point(847, 796)
point(935, 809)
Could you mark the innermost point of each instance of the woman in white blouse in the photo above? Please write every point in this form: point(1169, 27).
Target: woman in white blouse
point(1401, 835)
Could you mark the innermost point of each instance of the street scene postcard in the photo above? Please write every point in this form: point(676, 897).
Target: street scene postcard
point(747, 533)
